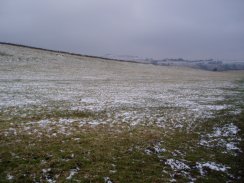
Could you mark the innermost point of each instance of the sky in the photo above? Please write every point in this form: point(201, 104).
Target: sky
point(190, 29)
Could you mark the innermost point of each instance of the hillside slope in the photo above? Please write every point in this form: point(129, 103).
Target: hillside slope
point(66, 117)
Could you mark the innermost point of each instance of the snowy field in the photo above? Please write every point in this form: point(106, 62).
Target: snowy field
point(187, 123)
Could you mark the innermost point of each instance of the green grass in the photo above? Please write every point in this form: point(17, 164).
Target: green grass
point(115, 151)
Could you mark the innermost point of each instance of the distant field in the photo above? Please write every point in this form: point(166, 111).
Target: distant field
point(67, 118)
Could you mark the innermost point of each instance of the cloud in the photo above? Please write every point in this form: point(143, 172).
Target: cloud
point(159, 29)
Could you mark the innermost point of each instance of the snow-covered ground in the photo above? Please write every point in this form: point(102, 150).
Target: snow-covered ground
point(32, 82)
point(126, 92)
point(29, 77)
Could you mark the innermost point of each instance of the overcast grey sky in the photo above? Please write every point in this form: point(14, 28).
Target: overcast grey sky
point(192, 29)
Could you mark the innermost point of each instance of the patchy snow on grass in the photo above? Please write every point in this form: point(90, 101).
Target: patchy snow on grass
point(47, 176)
point(112, 171)
point(95, 122)
point(202, 167)
point(228, 130)
point(72, 172)
point(89, 100)
point(44, 123)
point(178, 153)
point(66, 120)
point(12, 131)
point(115, 93)
point(155, 149)
point(176, 164)
point(46, 170)
point(225, 137)
point(10, 177)
point(217, 107)
point(107, 180)
point(233, 146)
point(49, 180)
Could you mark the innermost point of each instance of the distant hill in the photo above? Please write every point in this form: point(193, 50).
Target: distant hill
point(210, 64)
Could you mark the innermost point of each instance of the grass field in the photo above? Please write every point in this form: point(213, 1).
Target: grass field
point(67, 118)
